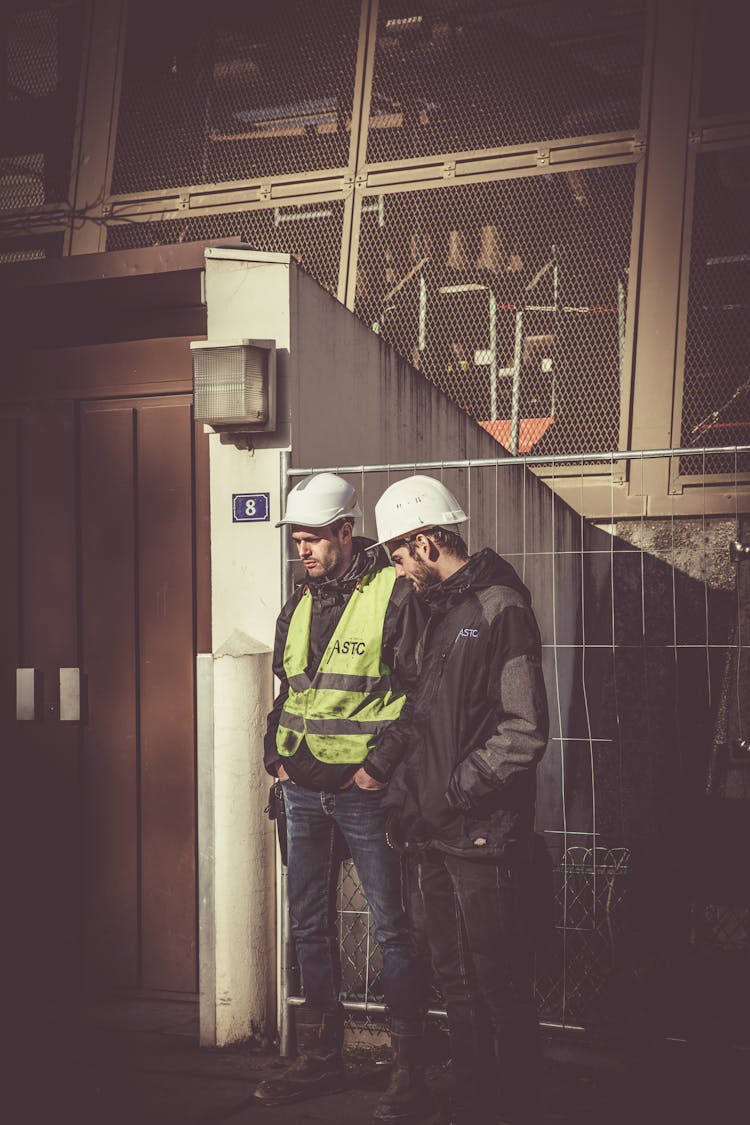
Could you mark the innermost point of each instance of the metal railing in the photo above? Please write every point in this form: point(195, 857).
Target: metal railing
point(642, 633)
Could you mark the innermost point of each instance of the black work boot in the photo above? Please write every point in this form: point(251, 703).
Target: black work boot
point(318, 1066)
point(407, 1097)
point(472, 1043)
point(520, 1060)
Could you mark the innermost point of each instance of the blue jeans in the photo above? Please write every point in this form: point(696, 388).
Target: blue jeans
point(313, 821)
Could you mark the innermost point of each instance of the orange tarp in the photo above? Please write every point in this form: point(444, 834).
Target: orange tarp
point(530, 430)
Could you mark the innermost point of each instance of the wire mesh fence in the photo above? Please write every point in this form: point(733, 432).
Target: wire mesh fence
point(453, 76)
point(41, 49)
point(511, 297)
point(310, 232)
point(646, 776)
point(716, 394)
point(724, 86)
point(218, 94)
point(31, 248)
point(515, 295)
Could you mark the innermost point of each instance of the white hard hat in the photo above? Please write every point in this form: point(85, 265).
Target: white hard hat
point(320, 500)
point(415, 503)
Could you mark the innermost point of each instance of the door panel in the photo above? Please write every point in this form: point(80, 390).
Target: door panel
point(109, 640)
point(10, 509)
point(166, 671)
point(104, 567)
point(138, 638)
point(47, 775)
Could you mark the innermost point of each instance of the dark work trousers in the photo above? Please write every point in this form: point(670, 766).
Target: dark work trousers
point(468, 913)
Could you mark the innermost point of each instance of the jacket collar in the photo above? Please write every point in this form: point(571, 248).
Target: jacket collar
point(368, 558)
point(485, 568)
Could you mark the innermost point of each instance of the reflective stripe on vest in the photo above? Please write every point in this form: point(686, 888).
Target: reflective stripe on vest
point(349, 701)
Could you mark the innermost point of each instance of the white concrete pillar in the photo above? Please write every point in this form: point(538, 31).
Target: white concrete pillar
point(247, 296)
point(237, 903)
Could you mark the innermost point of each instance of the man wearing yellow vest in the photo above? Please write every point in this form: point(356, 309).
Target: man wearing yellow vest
point(344, 658)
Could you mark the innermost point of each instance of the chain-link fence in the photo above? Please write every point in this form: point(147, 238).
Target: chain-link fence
point(406, 157)
point(724, 87)
point(39, 89)
point(310, 232)
point(512, 294)
point(32, 248)
point(716, 394)
point(230, 91)
point(647, 669)
point(453, 76)
point(511, 297)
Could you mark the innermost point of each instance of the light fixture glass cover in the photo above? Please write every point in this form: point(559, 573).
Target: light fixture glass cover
point(232, 382)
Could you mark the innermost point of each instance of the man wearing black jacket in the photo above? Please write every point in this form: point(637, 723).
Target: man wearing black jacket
point(344, 658)
point(467, 813)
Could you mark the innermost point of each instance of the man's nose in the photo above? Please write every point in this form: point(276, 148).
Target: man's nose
point(400, 572)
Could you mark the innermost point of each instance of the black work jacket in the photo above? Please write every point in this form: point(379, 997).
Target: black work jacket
point(403, 624)
point(480, 715)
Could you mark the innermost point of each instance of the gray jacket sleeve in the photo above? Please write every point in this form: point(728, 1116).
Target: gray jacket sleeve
point(519, 722)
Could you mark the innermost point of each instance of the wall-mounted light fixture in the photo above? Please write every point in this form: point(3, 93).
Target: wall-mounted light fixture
point(234, 384)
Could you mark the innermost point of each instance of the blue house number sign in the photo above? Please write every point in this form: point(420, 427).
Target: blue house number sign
point(250, 507)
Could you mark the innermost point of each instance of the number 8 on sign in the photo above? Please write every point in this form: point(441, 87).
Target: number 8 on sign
point(250, 507)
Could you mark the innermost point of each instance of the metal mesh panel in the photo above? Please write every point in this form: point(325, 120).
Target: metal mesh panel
point(31, 248)
point(310, 233)
point(725, 86)
point(39, 83)
point(716, 396)
point(452, 75)
point(644, 653)
point(722, 928)
point(511, 297)
point(234, 91)
point(591, 893)
point(361, 959)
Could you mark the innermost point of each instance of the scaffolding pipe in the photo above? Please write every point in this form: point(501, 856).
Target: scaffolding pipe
point(286, 1018)
point(372, 1007)
point(515, 402)
point(620, 326)
point(548, 459)
point(493, 357)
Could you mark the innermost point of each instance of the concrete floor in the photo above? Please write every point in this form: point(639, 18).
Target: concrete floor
point(139, 1063)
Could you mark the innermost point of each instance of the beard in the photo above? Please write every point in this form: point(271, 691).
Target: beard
point(331, 565)
point(422, 577)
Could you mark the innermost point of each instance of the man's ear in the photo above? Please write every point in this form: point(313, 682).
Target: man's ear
point(424, 544)
point(346, 532)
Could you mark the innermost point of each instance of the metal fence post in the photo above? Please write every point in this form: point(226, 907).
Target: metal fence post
point(286, 1024)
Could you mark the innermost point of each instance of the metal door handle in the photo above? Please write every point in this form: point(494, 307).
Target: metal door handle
point(28, 694)
point(70, 695)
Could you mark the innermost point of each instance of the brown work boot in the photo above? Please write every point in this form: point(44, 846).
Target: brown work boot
point(318, 1067)
point(407, 1097)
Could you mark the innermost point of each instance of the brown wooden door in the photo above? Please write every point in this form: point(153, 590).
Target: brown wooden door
point(39, 629)
point(138, 643)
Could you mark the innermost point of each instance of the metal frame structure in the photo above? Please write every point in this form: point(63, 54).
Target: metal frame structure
point(665, 156)
point(592, 881)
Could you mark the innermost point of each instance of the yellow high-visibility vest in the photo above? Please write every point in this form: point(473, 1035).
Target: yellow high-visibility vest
point(350, 700)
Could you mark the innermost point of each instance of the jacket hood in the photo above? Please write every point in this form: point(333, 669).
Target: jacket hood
point(485, 568)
